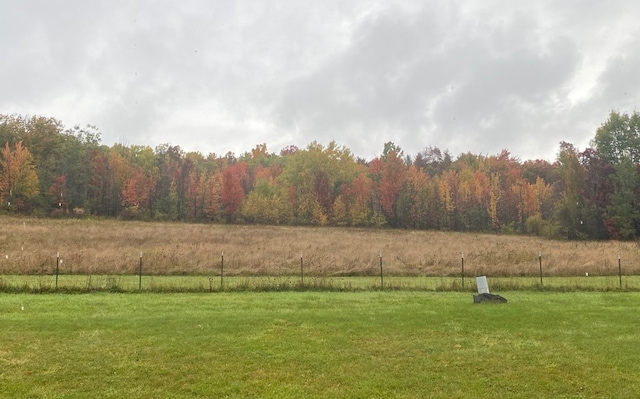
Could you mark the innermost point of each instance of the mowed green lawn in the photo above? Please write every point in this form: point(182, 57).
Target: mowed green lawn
point(320, 344)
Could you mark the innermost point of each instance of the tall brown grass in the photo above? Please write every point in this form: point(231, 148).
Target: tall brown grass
point(30, 246)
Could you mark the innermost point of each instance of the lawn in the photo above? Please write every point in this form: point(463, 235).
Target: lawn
point(398, 344)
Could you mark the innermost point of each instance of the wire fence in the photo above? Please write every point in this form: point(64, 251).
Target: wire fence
point(225, 275)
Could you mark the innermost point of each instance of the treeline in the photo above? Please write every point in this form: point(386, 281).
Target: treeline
point(49, 170)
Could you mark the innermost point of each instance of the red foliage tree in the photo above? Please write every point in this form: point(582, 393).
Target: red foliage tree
point(393, 176)
point(137, 189)
point(232, 193)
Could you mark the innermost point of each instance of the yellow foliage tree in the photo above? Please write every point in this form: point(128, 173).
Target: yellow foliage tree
point(18, 178)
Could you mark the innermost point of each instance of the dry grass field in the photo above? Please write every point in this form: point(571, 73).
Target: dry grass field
point(30, 246)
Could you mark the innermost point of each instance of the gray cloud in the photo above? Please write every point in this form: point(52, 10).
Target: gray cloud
point(223, 76)
point(422, 80)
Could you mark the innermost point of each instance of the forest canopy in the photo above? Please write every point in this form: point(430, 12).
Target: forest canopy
point(49, 170)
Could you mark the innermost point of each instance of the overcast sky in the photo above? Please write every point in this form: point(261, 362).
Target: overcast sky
point(217, 76)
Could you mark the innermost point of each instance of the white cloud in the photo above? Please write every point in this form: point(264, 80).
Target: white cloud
point(223, 76)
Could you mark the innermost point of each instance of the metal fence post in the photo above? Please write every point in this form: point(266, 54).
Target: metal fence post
point(462, 273)
point(57, 267)
point(301, 270)
point(381, 274)
point(620, 271)
point(222, 271)
point(540, 262)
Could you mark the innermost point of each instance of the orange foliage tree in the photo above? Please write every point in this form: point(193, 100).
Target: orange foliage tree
point(18, 178)
point(232, 193)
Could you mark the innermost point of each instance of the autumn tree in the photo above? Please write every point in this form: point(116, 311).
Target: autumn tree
point(266, 204)
point(120, 172)
point(232, 193)
point(360, 192)
point(136, 193)
point(313, 178)
point(266, 201)
point(471, 196)
point(211, 193)
point(482, 197)
point(505, 173)
point(18, 178)
point(56, 152)
point(446, 198)
point(393, 175)
point(495, 195)
point(413, 199)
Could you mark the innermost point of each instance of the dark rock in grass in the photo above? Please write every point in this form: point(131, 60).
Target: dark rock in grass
point(486, 297)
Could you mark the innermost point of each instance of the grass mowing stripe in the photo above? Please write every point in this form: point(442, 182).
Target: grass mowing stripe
point(319, 344)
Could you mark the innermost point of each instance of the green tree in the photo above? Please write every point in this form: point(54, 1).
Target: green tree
point(569, 207)
point(168, 199)
point(74, 163)
point(43, 136)
point(619, 138)
point(623, 209)
point(433, 161)
point(12, 129)
point(597, 192)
